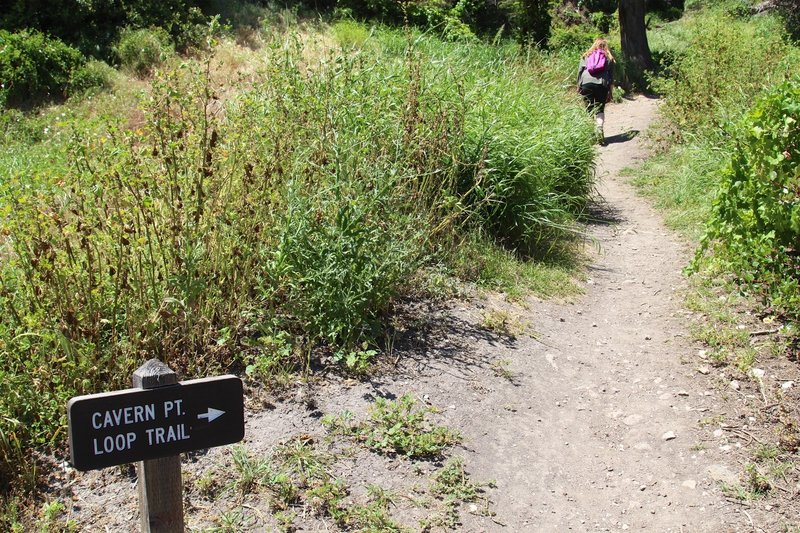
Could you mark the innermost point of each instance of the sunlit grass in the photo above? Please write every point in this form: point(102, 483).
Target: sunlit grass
point(682, 182)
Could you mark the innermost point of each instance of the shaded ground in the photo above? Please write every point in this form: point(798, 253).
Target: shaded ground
point(590, 418)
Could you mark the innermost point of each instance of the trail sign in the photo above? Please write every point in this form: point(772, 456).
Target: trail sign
point(132, 425)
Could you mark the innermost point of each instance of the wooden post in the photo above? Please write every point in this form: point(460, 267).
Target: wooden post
point(159, 480)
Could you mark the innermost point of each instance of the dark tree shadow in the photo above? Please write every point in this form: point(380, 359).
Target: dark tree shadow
point(436, 340)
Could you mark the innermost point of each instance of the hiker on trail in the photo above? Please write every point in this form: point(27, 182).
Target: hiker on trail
point(596, 81)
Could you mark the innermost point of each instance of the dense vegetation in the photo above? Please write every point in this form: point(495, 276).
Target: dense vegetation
point(94, 27)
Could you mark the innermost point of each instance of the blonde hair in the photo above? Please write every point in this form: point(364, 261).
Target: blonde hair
point(602, 44)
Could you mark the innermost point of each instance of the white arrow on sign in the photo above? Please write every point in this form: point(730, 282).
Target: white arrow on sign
point(212, 414)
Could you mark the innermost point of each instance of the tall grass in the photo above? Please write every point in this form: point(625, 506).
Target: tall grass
point(280, 221)
point(682, 182)
point(529, 144)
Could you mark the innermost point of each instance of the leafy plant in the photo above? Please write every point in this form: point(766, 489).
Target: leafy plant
point(572, 38)
point(358, 361)
point(452, 485)
point(93, 76)
point(297, 472)
point(51, 521)
point(34, 66)
point(396, 428)
point(755, 225)
point(371, 517)
point(273, 360)
point(452, 481)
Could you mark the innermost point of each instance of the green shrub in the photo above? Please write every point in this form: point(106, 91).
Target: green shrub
point(34, 66)
point(396, 427)
point(139, 51)
point(609, 6)
point(93, 76)
point(572, 38)
point(446, 18)
point(602, 21)
point(19, 127)
point(755, 224)
point(455, 27)
point(94, 26)
point(195, 31)
point(390, 11)
point(741, 9)
point(240, 14)
point(530, 20)
point(527, 20)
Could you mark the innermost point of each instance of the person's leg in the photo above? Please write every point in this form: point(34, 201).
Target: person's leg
point(601, 93)
point(600, 117)
point(595, 96)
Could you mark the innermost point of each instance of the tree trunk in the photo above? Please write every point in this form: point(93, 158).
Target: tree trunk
point(634, 36)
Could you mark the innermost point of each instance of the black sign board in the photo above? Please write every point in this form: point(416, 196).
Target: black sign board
point(132, 425)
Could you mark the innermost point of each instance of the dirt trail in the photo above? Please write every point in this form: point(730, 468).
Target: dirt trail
point(590, 424)
point(601, 431)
